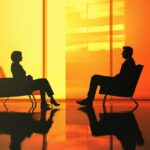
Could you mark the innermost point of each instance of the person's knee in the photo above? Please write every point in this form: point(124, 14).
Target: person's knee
point(42, 82)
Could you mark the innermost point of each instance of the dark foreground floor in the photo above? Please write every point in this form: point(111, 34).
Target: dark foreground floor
point(69, 128)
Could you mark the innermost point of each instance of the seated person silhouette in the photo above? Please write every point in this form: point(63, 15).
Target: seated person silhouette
point(121, 125)
point(41, 84)
point(126, 71)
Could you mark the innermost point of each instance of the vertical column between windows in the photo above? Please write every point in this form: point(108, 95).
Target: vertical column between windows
point(44, 36)
point(111, 36)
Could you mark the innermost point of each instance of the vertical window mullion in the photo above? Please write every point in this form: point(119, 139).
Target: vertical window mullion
point(111, 35)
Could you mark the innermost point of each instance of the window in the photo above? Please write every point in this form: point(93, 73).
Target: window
point(95, 32)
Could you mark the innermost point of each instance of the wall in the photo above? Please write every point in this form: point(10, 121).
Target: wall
point(137, 34)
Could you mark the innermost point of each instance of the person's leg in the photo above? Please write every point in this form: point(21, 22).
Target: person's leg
point(44, 87)
point(42, 94)
point(96, 80)
point(49, 91)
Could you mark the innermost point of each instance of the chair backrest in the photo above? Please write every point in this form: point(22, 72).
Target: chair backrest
point(137, 74)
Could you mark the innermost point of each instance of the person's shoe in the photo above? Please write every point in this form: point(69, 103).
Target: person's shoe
point(53, 102)
point(86, 102)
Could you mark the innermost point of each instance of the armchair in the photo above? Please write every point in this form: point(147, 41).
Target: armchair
point(9, 87)
point(123, 90)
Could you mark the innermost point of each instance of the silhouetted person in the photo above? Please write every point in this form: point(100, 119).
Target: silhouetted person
point(22, 125)
point(126, 72)
point(41, 84)
point(122, 125)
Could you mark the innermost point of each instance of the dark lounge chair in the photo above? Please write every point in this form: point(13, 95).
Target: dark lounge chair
point(123, 90)
point(9, 87)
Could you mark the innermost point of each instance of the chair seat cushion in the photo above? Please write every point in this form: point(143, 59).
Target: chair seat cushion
point(123, 87)
point(116, 91)
point(11, 87)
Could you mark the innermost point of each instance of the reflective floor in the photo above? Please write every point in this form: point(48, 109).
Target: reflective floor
point(74, 128)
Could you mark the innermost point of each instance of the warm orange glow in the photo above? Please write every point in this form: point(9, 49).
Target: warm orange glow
point(89, 39)
point(21, 29)
point(56, 59)
point(137, 34)
point(78, 40)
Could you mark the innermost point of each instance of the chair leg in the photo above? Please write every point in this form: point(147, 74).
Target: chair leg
point(104, 100)
point(34, 99)
point(30, 99)
point(134, 108)
point(33, 106)
point(6, 107)
point(6, 100)
point(134, 101)
point(104, 107)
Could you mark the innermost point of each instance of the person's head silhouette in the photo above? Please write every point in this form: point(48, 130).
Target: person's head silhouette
point(16, 56)
point(127, 52)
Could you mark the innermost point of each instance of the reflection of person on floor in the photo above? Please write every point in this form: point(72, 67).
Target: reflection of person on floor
point(122, 125)
point(123, 77)
point(41, 127)
point(22, 125)
point(19, 74)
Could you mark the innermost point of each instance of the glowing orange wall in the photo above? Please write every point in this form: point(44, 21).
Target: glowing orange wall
point(37, 28)
point(21, 29)
point(137, 34)
point(95, 36)
point(83, 63)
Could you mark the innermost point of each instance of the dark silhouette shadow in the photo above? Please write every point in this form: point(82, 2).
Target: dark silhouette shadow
point(22, 84)
point(122, 84)
point(122, 125)
point(22, 125)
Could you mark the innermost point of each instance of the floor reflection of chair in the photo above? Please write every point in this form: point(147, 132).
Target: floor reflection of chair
point(122, 125)
point(31, 109)
point(22, 125)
